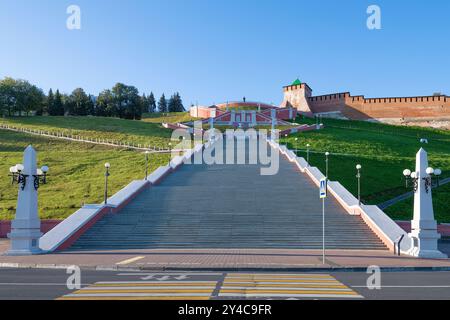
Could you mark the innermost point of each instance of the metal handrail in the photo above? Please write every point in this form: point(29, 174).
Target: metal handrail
point(397, 244)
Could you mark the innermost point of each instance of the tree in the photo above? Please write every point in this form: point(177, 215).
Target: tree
point(151, 103)
point(90, 107)
point(162, 104)
point(175, 103)
point(144, 103)
point(58, 105)
point(7, 96)
point(19, 96)
point(32, 99)
point(49, 102)
point(127, 101)
point(105, 106)
point(78, 104)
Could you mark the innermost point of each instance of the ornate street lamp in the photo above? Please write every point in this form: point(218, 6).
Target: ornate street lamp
point(21, 179)
point(17, 176)
point(413, 177)
point(358, 176)
point(296, 146)
point(40, 177)
point(107, 174)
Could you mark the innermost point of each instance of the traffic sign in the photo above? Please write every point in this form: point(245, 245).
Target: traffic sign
point(323, 188)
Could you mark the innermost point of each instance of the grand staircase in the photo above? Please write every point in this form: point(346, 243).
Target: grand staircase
point(230, 206)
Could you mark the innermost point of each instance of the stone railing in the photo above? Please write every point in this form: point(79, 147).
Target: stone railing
point(79, 138)
point(380, 223)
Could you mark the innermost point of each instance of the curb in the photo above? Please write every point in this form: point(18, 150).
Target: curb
point(114, 268)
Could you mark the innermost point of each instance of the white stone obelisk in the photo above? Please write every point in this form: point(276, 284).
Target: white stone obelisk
point(424, 227)
point(26, 227)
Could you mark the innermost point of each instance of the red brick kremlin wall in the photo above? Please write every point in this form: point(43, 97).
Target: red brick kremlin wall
point(358, 107)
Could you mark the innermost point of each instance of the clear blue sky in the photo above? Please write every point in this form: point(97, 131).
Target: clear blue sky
point(219, 50)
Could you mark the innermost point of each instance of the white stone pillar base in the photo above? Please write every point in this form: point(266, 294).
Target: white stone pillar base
point(426, 246)
point(24, 242)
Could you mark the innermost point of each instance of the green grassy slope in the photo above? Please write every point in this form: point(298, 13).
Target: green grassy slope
point(173, 117)
point(76, 172)
point(441, 199)
point(138, 132)
point(384, 151)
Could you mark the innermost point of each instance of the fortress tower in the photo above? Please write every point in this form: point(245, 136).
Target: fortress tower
point(297, 96)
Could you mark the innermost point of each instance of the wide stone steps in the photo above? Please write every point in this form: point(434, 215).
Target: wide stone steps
point(230, 206)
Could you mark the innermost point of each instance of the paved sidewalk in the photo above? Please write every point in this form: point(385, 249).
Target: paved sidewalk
point(220, 259)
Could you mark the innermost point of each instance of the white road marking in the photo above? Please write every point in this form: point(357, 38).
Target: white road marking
point(150, 282)
point(169, 274)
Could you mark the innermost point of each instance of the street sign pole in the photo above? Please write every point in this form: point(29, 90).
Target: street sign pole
point(323, 230)
point(323, 196)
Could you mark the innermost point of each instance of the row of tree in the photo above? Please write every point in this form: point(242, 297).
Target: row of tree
point(18, 97)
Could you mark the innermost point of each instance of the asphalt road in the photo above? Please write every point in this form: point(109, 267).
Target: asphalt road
point(44, 284)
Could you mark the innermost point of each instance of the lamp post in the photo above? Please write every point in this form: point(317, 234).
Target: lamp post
point(285, 138)
point(407, 174)
point(146, 164)
point(424, 233)
point(107, 174)
point(18, 177)
point(437, 173)
point(296, 146)
point(413, 177)
point(307, 153)
point(327, 154)
point(26, 227)
point(358, 176)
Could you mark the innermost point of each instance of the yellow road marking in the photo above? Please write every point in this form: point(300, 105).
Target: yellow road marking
point(129, 261)
point(245, 291)
point(136, 298)
point(260, 275)
point(285, 286)
point(145, 291)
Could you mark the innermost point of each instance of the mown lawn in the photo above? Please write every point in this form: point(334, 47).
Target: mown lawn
point(173, 117)
point(441, 198)
point(76, 172)
point(131, 131)
point(384, 151)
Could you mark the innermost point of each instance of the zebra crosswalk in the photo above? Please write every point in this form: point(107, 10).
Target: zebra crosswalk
point(145, 290)
point(252, 286)
point(225, 286)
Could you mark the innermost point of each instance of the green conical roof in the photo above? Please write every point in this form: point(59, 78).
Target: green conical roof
point(296, 83)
